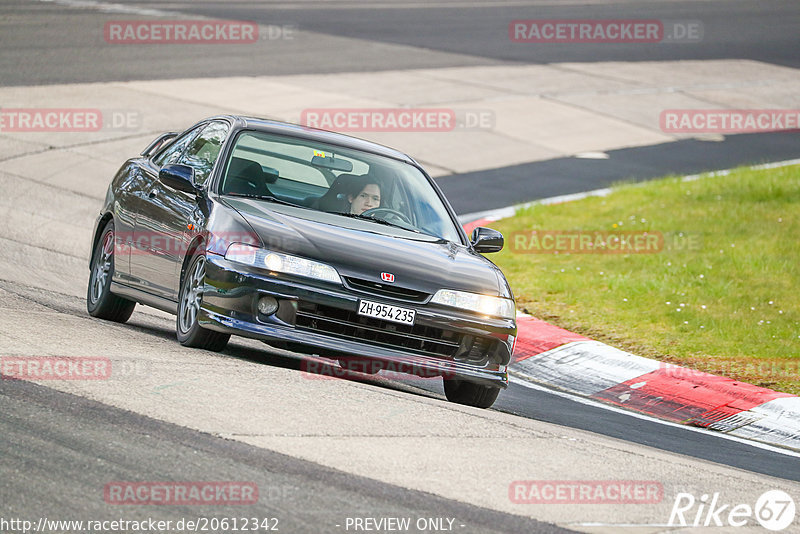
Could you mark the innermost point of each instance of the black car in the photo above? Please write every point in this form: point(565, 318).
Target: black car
point(324, 243)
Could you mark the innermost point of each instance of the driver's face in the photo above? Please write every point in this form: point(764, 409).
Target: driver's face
point(368, 198)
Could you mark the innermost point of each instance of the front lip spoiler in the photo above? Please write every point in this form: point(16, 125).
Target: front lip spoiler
point(448, 368)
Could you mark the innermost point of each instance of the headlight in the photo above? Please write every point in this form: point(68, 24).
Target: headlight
point(483, 304)
point(281, 263)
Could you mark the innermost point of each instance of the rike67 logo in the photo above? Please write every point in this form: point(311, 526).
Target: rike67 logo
point(774, 510)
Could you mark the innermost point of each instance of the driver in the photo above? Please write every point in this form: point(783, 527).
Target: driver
point(366, 195)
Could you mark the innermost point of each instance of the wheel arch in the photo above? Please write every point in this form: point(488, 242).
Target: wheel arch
point(196, 244)
point(98, 231)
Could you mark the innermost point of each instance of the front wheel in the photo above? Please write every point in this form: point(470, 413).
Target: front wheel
point(470, 393)
point(190, 333)
point(100, 301)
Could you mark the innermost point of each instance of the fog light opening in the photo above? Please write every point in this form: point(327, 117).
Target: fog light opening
point(267, 305)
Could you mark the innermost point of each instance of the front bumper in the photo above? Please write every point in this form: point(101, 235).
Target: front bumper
point(321, 315)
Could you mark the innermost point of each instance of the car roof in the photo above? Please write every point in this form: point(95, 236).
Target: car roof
point(314, 134)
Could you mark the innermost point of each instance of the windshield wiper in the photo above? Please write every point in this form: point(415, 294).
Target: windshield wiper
point(438, 239)
point(380, 221)
point(268, 198)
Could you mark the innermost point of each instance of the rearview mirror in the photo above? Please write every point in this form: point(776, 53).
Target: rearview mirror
point(332, 163)
point(180, 177)
point(486, 240)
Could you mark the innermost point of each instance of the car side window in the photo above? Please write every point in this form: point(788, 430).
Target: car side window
point(174, 151)
point(204, 150)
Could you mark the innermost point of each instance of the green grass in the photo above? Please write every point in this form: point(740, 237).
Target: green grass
point(721, 296)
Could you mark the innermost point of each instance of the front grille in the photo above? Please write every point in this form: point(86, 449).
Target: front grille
point(419, 339)
point(386, 290)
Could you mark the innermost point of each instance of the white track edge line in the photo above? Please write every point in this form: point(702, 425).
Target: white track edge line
point(509, 211)
point(597, 404)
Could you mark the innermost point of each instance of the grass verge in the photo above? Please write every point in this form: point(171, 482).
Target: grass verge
point(712, 283)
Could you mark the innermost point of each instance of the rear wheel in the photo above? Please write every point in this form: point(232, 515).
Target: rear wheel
point(100, 301)
point(470, 393)
point(190, 333)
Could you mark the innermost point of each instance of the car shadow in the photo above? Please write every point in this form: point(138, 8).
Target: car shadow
point(313, 366)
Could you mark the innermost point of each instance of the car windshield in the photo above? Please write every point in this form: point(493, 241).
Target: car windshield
point(337, 180)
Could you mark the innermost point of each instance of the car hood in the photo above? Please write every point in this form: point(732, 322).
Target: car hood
point(363, 249)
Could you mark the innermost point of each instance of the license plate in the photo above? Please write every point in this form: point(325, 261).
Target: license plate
point(386, 312)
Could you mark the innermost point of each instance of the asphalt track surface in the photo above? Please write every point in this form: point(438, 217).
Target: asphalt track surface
point(451, 33)
point(737, 29)
point(53, 440)
point(64, 448)
point(498, 188)
point(542, 406)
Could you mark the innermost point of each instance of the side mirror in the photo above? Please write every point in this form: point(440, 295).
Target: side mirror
point(486, 240)
point(180, 177)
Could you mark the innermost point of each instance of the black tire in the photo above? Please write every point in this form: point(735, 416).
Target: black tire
point(190, 333)
point(100, 301)
point(470, 393)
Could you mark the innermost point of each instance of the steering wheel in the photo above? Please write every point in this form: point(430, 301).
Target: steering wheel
point(387, 214)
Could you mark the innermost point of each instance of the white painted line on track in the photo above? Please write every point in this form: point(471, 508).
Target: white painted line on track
point(105, 7)
point(596, 404)
point(510, 211)
point(726, 172)
point(322, 4)
point(621, 525)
